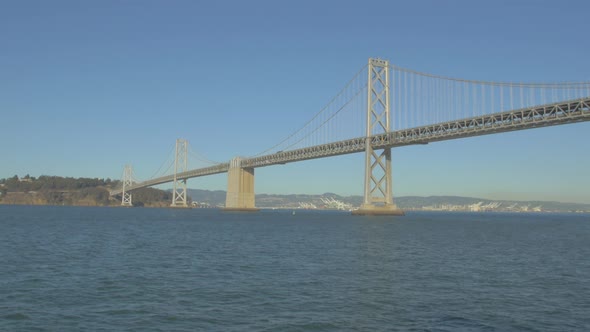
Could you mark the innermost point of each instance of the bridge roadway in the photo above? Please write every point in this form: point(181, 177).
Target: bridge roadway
point(539, 116)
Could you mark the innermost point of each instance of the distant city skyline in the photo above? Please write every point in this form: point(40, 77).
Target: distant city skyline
point(87, 87)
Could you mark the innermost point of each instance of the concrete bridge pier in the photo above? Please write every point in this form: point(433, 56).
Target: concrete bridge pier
point(378, 210)
point(240, 188)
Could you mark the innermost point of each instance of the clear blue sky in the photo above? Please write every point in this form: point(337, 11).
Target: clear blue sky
point(89, 86)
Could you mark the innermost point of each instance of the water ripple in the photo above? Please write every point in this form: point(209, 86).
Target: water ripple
point(104, 269)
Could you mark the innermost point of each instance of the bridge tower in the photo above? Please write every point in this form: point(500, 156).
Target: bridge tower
point(126, 199)
point(180, 165)
point(240, 187)
point(378, 197)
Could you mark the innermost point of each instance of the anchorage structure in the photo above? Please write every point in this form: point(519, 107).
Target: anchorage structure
point(378, 198)
point(126, 199)
point(180, 166)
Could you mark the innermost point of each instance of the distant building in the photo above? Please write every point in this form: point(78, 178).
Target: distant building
point(200, 205)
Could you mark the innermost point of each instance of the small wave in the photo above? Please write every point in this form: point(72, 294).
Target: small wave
point(454, 323)
point(16, 316)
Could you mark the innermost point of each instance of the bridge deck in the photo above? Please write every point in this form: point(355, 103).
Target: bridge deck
point(539, 116)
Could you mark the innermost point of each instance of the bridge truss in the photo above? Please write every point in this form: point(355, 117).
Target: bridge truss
point(542, 116)
point(428, 109)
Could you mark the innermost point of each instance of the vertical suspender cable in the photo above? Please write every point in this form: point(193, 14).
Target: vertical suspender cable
point(399, 101)
point(511, 98)
point(406, 100)
point(493, 110)
point(521, 97)
point(503, 106)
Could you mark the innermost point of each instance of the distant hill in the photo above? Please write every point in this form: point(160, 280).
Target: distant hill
point(217, 198)
point(417, 202)
point(56, 190)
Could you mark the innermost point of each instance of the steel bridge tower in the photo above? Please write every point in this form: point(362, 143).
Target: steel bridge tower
point(378, 198)
point(180, 165)
point(126, 199)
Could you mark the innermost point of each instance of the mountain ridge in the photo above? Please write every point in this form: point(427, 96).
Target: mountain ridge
point(433, 202)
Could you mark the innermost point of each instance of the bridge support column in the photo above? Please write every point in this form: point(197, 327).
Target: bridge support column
point(126, 198)
point(240, 188)
point(180, 165)
point(378, 198)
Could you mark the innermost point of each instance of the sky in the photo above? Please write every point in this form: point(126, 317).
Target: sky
point(87, 87)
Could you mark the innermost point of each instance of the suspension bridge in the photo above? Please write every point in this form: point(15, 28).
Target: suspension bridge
point(426, 108)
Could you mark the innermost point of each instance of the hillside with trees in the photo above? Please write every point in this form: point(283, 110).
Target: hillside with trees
point(56, 190)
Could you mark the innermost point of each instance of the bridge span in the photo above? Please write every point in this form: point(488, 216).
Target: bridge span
point(379, 136)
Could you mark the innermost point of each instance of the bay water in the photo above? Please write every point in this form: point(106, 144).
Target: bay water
point(141, 269)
